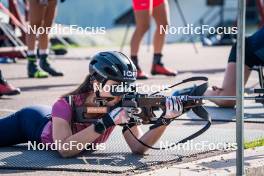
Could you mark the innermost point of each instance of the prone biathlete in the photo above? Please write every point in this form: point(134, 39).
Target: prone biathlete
point(143, 10)
point(254, 56)
point(44, 124)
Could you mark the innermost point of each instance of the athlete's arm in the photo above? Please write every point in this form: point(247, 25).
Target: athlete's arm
point(62, 132)
point(174, 109)
point(149, 138)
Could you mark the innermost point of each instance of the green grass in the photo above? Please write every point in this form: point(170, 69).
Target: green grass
point(252, 144)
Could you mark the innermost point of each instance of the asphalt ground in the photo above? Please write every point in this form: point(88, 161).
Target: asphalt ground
point(210, 62)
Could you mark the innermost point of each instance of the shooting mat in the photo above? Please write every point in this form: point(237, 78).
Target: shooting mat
point(117, 158)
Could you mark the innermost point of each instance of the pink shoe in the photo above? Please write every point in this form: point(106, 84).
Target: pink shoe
point(8, 89)
point(160, 69)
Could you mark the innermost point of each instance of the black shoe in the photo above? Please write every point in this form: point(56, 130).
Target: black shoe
point(33, 70)
point(44, 65)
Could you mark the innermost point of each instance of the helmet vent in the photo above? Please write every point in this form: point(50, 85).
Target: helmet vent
point(93, 62)
point(129, 66)
point(119, 67)
point(110, 71)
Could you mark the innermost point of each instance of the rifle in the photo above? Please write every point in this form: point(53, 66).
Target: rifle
point(141, 108)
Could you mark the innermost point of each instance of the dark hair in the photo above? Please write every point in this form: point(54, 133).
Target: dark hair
point(85, 87)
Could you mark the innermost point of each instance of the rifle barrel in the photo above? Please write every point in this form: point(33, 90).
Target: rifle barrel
point(226, 97)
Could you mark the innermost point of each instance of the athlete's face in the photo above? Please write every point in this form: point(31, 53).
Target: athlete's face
point(105, 92)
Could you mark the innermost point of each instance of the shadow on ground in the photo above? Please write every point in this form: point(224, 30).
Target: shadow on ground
point(204, 71)
point(43, 87)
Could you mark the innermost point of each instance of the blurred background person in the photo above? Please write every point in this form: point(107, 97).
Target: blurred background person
point(143, 10)
point(41, 14)
point(254, 56)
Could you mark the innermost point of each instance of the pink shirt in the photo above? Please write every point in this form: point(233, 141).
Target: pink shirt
point(61, 109)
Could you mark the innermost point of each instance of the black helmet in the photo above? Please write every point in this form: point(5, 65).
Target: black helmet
point(112, 65)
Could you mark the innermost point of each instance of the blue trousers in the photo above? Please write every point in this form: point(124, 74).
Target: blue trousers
point(254, 50)
point(24, 125)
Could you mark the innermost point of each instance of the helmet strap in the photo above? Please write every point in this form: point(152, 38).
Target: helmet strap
point(97, 92)
point(101, 79)
point(99, 100)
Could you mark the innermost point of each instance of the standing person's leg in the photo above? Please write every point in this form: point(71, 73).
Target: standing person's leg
point(254, 56)
point(160, 14)
point(228, 86)
point(6, 88)
point(142, 16)
point(142, 25)
point(48, 18)
point(24, 125)
point(36, 11)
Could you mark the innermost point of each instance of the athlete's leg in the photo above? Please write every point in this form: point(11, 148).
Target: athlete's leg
point(36, 12)
point(228, 86)
point(10, 131)
point(24, 125)
point(49, 15)
point(161, 18)
point(47, 20)
point(142, 25)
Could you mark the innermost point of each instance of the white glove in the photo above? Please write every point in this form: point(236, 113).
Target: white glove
point(174, 107)
point(119, 116)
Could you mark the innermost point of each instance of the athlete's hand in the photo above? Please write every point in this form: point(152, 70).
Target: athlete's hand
point(174, 107)
point(119, 116)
